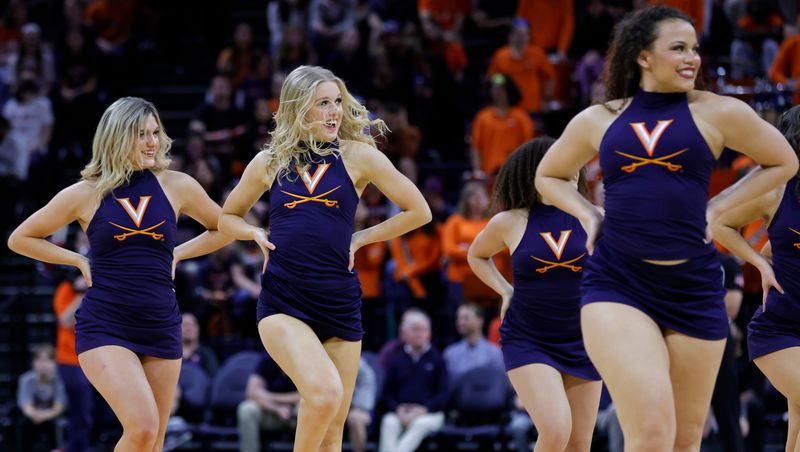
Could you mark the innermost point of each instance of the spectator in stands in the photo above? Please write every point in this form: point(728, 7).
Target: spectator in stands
point(360, 415)
point(473, 350)
point(282, 14)
point(415, 391)
point(41, 397)
point(696, 9)
point(442, 22)
point(499, 128)
point(33, 60)
point(368, 262)
point(756, 43)
point(458, 233)
point(238, 60)
point(527, 64)
point(222, 123)
point(785, 68)
point(551, 22)
point(11, 175)
point(76, 98)
point(31, 117)
point(328, 21)
point(193, 350)
point(271, 402)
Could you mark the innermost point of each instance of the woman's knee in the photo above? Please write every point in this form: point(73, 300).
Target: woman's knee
point(653, 431)
point(323, 395)
point(554, 433)
point(142, 426)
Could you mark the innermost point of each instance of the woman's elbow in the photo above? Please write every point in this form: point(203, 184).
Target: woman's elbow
point(425, 215)
point(14, 241)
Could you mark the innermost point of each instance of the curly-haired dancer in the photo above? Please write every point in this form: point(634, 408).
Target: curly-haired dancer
point(541, 330)
point(653, 316)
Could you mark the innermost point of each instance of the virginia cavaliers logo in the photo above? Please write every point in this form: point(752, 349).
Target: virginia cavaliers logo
point(796, 245)
point(649, 141)
point(137, 215)
point(311, 182)
point(558, 248)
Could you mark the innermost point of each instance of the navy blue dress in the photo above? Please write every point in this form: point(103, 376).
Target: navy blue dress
point(656, 171)
point(311, 217)
point(542, 324)
point(778, 327)
point(132, 300)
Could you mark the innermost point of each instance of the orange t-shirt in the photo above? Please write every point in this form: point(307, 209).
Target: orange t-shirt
point(693, 8)
point(457, 234)
point(787, 64)
point(528, 73)
point(65, 337)
point(552, 22)
point(416, 253)
point(369, 263)
point(444, 12)
point(496, 137)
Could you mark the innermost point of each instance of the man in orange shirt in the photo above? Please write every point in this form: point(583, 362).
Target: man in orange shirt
point(441, 22)
point(552, 23)
point(499, 128)
point(527, 65)
point(785, 68)
point(694, 8)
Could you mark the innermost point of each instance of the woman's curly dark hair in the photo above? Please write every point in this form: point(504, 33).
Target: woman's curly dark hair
point(789, 126)
point(514, 188)
point(636, 32)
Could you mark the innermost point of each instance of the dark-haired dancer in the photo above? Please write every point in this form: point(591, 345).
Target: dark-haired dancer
point(540, 334)
point(128, 327)
point(653, 317)
point(773, 335)
point(309, 311)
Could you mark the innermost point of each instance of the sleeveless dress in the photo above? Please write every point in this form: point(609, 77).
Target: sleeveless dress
point(779, 326)
point(132, 300)
point(311, 222)
point(542, 324)
point(656, 171)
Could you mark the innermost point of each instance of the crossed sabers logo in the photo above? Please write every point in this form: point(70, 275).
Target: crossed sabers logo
point(796, 245)
point(649, 141)
point(558, 249)
point(137, 215)
point(311, 183)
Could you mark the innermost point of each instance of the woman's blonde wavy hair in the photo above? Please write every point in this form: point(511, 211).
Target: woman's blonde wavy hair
point(116, 136)
point(292, 128)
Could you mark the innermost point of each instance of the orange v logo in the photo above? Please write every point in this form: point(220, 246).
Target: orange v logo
point(557, 247)
point(137, 215)
point(311, 182)
point(650, 139)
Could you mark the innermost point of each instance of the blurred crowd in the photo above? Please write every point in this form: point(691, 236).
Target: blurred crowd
point(460, 83)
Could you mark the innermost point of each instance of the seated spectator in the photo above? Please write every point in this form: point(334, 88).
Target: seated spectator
point(238, 60)
point(473, 350)
point(756, 44)
point(271, 404)
point(193, 350)
point(499, 128)
point(526, 64)
point(41, 397)
point(785, 68)
point(415, 392)
point(360, 415)
point(222, 123)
